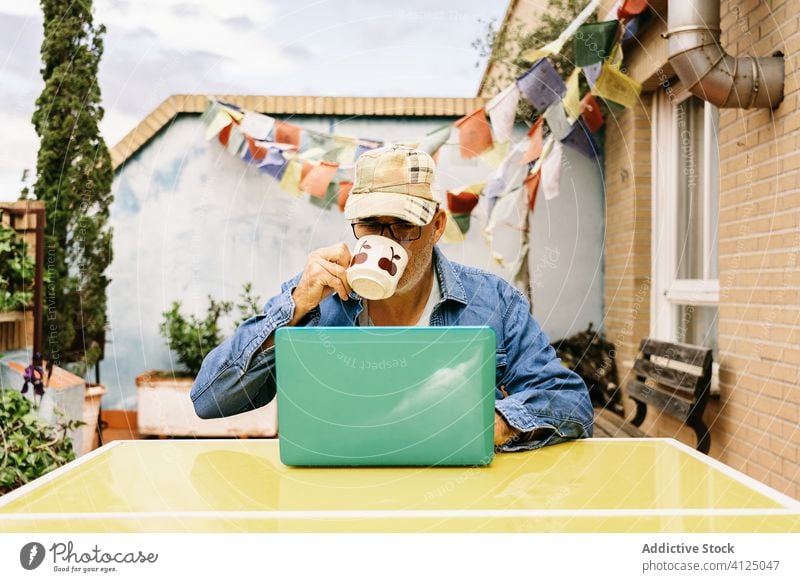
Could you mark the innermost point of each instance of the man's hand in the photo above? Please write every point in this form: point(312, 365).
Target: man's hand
point(502, 431)
point(323, 274)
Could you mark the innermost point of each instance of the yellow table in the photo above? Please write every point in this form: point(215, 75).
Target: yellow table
point(597, 485)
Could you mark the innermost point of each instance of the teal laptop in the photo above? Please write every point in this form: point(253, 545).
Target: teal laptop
point(358, 396)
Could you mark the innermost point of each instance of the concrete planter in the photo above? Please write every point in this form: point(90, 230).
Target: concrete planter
point(165, 409)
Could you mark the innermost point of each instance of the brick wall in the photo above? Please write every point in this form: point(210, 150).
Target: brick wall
point(755, 421)
point(628, 228)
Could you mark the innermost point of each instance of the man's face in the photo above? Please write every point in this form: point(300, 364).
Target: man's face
point(420, 251)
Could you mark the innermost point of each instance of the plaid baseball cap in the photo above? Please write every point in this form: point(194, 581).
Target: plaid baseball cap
point(393, 181)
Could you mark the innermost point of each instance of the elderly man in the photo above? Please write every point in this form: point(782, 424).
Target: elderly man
point(538, 401)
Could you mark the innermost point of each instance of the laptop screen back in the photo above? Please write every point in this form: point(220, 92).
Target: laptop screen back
point(386, 395)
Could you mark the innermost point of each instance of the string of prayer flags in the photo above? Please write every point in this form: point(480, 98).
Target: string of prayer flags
point(502, 111)
point(318, 178)
point(535, 133)
point(541, 85)
point(595, 41)
point(557, 121)
point(475, 134)
point(580, 139)
point(572, 98)
point(614, 85)
point(551, 172)
point(257, 125)
point(287, 133)
point(628, 8)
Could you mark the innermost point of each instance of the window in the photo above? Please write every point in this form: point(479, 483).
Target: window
point(685, 248)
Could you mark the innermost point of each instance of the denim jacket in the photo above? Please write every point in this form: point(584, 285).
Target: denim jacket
point(533, 389)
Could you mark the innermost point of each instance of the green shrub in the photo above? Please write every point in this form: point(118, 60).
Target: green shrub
point(191, 338)
point(16, 272)
point(31, 447)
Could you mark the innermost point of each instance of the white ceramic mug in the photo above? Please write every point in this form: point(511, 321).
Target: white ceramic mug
point(378, 263)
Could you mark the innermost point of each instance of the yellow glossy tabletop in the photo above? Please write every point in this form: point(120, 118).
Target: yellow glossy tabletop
point(596, 485)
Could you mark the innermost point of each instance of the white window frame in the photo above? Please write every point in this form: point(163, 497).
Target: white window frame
point(667, 291)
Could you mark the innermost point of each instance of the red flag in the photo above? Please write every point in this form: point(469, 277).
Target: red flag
point(630, 8)
point(344, 192)
point(535, 147)
point(287, 133)
point(474, 134)
point(462, 203)
point(591, 114)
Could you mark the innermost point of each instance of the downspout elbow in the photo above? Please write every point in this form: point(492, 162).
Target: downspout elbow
point(708, 71)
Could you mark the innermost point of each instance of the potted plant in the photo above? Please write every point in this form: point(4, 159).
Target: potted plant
point(164, 404)
point(31, 446)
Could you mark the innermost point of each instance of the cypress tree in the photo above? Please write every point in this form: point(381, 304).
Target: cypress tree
point(73, 177)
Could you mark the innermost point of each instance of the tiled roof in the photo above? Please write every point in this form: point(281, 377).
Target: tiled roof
point(294, 105)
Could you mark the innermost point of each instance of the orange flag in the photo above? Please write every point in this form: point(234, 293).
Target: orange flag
point(532, 187)
point(344, 192)
point(287, 133)
point(474, 134)
point(535, 148)
point(316, 182)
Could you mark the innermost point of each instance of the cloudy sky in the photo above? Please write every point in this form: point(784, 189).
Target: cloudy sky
point(154, 48)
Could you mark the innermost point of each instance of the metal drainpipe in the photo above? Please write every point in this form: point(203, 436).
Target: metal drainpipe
point(708, 71)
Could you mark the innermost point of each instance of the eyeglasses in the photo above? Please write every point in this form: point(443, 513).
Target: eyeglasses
point(399, 231)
